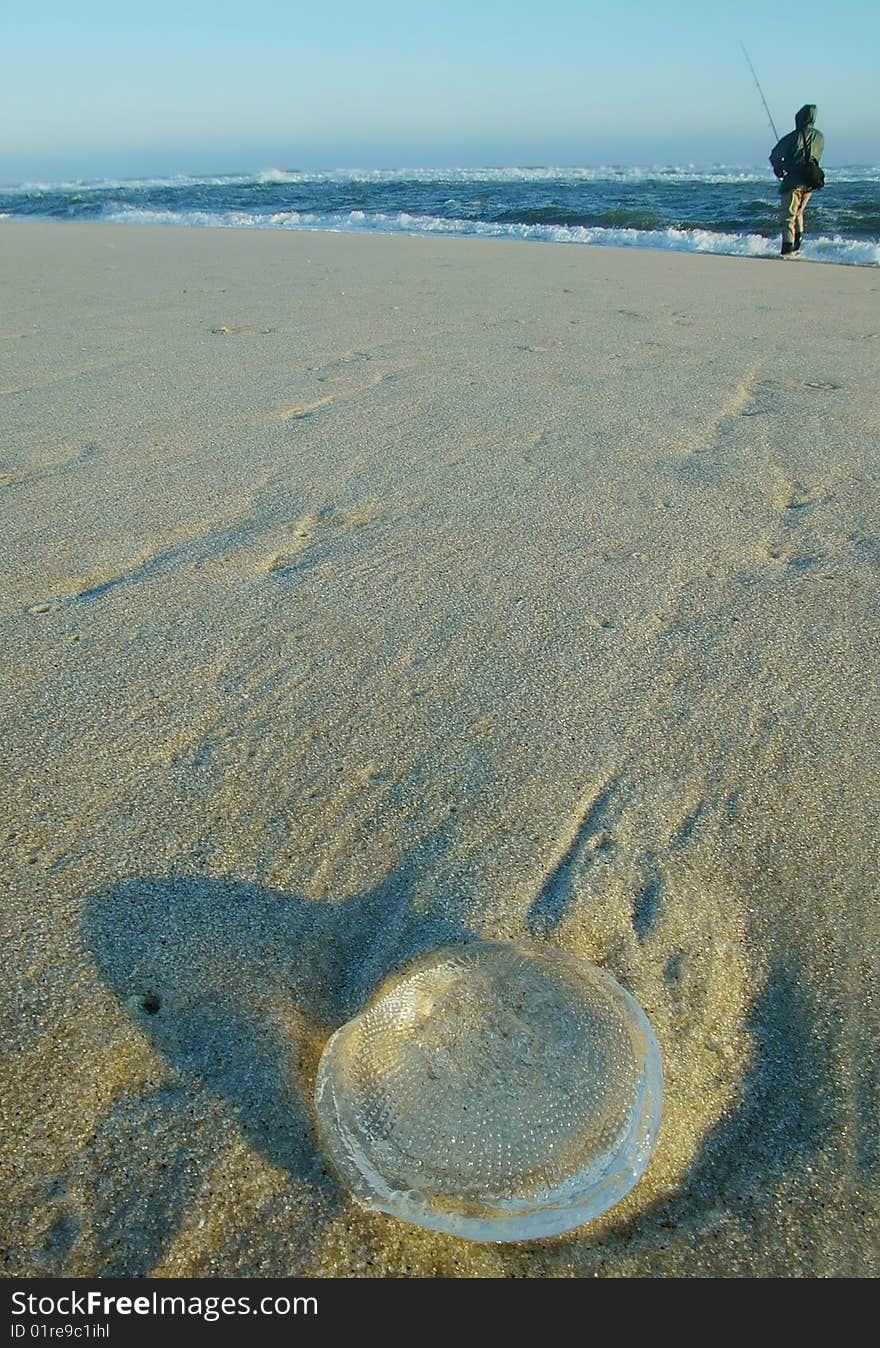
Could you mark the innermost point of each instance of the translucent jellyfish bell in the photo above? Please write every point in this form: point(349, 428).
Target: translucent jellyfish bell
point(494, 1091)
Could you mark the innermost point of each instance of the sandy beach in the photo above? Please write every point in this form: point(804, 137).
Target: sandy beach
point(360, 595)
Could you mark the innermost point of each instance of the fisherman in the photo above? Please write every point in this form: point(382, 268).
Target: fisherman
point(790, 158)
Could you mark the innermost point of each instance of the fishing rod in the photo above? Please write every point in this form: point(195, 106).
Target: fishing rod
point(760, 90)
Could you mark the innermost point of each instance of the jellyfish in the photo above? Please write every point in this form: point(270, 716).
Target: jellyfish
point(495, 1091)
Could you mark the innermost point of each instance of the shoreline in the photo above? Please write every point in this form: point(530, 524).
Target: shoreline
point(611, 214)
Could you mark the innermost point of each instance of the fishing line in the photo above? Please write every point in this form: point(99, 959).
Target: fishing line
point(760, 90)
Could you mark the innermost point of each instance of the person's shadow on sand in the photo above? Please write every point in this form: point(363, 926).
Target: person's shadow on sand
point(238, 987)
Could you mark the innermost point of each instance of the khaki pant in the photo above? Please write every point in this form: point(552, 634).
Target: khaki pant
point(793, 204)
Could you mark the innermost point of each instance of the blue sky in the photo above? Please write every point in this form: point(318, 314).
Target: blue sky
point(98, 89)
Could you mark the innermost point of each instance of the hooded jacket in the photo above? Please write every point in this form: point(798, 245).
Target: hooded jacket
point(787, 155)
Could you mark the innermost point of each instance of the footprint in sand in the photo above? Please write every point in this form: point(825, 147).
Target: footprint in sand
point(332, 369)
point(223, 331)
point(293, 413)
point(339, 395)
point(788, 557)
point(538, 443)
point(303, 534)
point(45, 459)
point(799, 498)
point(793, 495)
point(789, 544)
point(585, 840)
point(647, 904)
point(813, 385)
point(672, 929)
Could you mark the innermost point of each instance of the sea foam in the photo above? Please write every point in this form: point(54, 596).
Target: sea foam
point(837, 249)
point(718, 208)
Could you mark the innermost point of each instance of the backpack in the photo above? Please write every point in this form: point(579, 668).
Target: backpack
point(811, 174)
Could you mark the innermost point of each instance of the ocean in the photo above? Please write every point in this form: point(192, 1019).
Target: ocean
point(700, 210)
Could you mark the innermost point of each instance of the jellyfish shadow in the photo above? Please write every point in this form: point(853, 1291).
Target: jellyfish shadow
point(784, 1116)
point(237, 987)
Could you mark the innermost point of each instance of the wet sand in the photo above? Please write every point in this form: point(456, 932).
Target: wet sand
point(363, 594)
